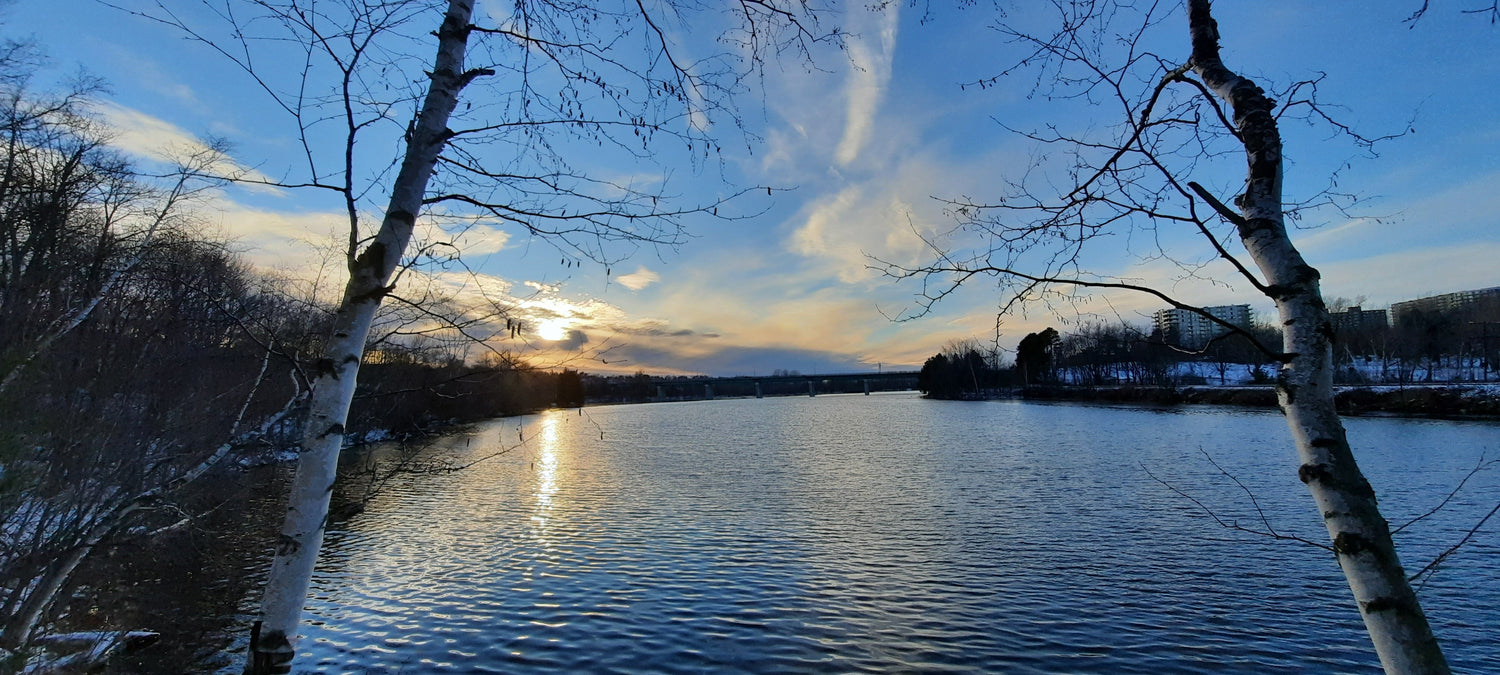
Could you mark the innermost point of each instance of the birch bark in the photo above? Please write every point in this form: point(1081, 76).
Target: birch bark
point(333, 385)
point(1361, 537)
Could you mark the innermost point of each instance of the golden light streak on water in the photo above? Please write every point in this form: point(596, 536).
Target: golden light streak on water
point(548, 461)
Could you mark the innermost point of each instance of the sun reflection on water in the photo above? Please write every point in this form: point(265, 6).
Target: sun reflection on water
point(547, 463)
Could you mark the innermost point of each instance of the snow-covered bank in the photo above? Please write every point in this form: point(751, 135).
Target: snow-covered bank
point(1448, 401)
point(281, 454)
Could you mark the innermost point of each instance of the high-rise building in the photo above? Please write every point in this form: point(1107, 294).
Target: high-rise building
point(1190, 329)
point(1357, 320)
point(1442, 304)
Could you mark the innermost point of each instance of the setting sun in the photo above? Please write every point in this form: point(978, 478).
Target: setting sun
point(552, 330)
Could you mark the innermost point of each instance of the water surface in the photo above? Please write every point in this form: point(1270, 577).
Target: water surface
point(888, 533)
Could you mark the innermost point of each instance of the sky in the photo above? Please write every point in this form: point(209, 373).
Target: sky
point(860, 147)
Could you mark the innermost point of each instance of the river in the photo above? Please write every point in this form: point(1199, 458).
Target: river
point(889, 533)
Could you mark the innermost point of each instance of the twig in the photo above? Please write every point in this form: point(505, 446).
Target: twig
point(1253, 501)
point(1480, 466)
point(1234, 525)
point(1432, 567)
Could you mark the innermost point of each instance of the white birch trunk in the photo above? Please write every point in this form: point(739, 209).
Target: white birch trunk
point(333, 385)
point(1361, 537)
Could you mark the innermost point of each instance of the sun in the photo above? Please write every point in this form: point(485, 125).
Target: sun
point(552, 330)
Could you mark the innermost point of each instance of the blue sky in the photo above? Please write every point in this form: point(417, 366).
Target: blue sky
point(859, 147)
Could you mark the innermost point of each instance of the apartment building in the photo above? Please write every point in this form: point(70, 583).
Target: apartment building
point(1445, 303)
point(1190, 329)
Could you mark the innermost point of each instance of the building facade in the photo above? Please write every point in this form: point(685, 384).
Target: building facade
point(1189, 329)
point(1445, 303)
point(1357, 320)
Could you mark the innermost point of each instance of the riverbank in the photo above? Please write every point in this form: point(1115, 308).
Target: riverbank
point(1441, 401)
point(192, 584)
point(195, 584)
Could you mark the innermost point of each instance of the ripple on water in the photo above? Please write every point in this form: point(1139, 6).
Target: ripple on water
point(880, 534)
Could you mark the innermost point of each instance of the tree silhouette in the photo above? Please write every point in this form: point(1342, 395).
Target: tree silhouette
point(1034, 356)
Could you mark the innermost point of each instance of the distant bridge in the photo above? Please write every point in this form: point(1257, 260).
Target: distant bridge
point(751, 386)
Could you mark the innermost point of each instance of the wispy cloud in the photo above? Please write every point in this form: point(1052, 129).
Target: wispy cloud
point(861, 222)
point(148, 74)
point(1462, 210)
point(871, 51)
point(155, 139)
point(892, 212)
point(1422, 271)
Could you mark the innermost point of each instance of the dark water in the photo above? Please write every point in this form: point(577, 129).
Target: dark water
point(888, 534)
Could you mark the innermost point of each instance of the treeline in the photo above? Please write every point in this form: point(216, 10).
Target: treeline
point(1095, 354)
point(1461, 344)
point(1120, 354)
point(641, 388)
point(136, 350)
point(1458, 344)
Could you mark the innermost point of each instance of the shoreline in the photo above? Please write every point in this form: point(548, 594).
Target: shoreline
point(1449, 401)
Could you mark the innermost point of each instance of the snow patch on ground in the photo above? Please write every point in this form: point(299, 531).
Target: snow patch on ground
point(266, 457)
point(263, 458)
point(1366, 371)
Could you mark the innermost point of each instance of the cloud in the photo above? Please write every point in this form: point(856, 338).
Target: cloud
point(715, 328)
point(639, 279)
point(479, 287)
point(737, 360)
point(480, 240)
point(288, 240)
point(155, 139)
point(574, 341)
point(148, 74)
point(871, 52)
point(143, 135)
point(655, 328)
point(732, 304)
point(858, 222)
point(890, 213)
point(1460, 211)
point(718, 325)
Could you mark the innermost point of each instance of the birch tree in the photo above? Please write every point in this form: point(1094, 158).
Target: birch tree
point(1361, 537)
point(1182, 118)
point(508, 158)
